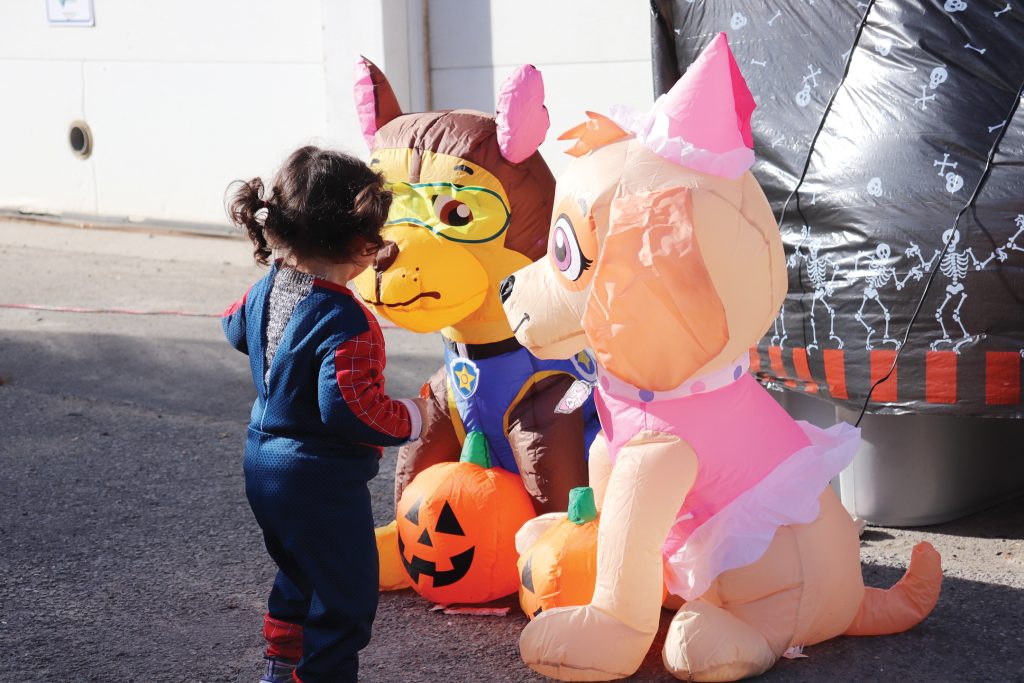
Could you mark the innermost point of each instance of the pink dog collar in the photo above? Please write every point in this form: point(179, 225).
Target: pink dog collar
point(618, 388)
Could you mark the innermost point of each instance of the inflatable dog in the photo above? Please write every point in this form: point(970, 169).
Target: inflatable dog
point(472, 202)
point(664, 257)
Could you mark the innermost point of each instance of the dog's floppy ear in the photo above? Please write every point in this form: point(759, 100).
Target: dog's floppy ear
point(522, 119)
point(653, 315)
point(376, 103)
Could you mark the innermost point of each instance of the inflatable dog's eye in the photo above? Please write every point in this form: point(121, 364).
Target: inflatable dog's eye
point(451, 211)
point(565, 249)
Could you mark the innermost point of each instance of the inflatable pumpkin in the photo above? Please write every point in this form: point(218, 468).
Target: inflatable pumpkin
point(456, 528)
point(560, 568)
point(558, 557)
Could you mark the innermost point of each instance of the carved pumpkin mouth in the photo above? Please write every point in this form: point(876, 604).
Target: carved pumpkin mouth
point(417, 566)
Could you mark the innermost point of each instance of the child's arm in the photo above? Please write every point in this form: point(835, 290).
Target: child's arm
point(233, 322)
point(352, 394)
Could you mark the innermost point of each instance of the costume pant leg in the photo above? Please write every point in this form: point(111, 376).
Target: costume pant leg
point(265, 470)
point(318, 522)
point(287, 607)
point(339, 557)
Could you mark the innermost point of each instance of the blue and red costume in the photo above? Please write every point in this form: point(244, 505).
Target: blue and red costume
point(315, 438)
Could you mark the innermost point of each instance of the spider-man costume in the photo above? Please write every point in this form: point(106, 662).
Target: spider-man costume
point(317, 429)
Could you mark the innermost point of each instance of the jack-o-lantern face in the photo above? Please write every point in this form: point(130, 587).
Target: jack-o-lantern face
point(416, 566)
point(456, 528)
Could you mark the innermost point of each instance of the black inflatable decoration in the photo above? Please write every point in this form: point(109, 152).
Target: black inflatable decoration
point(890, 142)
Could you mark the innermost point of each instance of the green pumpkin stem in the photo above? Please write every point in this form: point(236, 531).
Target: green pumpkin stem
point(475, 450)
point(582, 508)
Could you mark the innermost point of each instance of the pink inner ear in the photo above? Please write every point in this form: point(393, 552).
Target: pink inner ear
point(522, 118)
point(366, 106)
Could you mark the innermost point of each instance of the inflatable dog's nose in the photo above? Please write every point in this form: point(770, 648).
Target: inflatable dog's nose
point(505, 291)
point(386, 255)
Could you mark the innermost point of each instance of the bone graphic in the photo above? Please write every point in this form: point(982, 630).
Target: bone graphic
point(997, 126)
point(1002, 11)
point(944, 163)
point(923, 99)
point(979, 50)
point(754, 61)
point(812, 72)
point(777, 15)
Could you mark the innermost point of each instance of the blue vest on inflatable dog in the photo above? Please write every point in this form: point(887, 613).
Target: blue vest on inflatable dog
point(485, 389)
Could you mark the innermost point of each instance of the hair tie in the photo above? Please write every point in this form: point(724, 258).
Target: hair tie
point(261, 214)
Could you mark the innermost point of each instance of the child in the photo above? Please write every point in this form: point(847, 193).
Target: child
point(321, 416)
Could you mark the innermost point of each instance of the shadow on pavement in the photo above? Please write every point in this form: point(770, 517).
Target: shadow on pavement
point(126, 542)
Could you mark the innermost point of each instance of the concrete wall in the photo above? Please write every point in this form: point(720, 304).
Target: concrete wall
point(182, 97)
point(592, 53)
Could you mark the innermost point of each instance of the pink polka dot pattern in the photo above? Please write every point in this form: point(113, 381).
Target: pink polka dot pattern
point(733, 372)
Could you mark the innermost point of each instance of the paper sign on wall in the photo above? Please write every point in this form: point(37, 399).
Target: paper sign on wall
point(70, 13)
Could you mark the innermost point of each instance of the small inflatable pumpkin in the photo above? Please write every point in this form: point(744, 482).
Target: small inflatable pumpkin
point(560, 569)
point(559, 566)
point(456, 528)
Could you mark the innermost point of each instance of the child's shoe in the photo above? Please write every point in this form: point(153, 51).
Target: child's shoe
point(278, 670)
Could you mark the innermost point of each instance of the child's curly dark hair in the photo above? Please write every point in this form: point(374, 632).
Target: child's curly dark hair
point(322, 204)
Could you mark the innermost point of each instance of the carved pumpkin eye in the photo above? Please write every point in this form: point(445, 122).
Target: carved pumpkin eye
point(526, 582)
point(451, 211)
point(448, 523)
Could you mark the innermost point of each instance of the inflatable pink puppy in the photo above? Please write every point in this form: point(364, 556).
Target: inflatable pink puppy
point(665, 259)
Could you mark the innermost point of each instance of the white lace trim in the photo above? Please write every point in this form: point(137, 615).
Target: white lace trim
point(740, 533)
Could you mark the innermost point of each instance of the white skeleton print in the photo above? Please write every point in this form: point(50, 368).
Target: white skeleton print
point(779, 328)
point(879, 274)
point(953, 267)
point(1011, 243)
point(817, 270)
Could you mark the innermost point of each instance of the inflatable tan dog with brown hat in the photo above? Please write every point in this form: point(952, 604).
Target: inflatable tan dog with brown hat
point(472, 199)
point(664, 257)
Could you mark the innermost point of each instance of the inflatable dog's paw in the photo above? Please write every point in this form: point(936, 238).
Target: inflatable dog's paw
point(582, 644)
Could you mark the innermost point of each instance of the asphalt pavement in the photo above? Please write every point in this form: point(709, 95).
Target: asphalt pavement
point(127, 549)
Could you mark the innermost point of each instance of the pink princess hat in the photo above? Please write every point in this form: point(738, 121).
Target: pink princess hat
point(703, 122)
